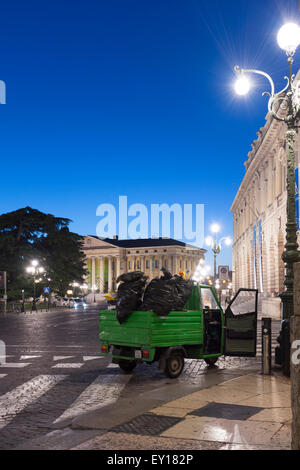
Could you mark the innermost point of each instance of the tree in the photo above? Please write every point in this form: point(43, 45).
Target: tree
point(28, 234)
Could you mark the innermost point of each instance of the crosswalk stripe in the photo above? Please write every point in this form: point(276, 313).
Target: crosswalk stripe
point(61, 358)
point(15, 365)
point(15, 401)
point(70, 365)
point(103, 391)
point(2, 375)
point(24, 358)
point(112, 366)
point(91, 358)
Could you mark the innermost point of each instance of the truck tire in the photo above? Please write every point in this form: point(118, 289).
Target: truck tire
point(174, 364)
point(127, 366)
point(210, 361)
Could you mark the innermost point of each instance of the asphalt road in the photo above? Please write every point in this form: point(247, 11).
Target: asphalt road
point(54, 373)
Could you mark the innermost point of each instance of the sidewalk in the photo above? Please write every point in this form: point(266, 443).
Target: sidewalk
point(251, 412)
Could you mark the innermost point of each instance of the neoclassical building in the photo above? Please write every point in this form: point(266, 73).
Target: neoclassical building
point(108, 258)
point(259, 217)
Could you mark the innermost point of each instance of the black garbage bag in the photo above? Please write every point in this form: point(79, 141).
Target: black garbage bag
point(130, 294)
point(160, 296)
point(184, 291)
point(132, 276)
point(166, 274)
point(167, 293)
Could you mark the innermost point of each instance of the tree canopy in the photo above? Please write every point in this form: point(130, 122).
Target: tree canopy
point(28, 234)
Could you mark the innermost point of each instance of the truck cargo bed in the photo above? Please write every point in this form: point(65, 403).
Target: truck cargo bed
point(147, 328)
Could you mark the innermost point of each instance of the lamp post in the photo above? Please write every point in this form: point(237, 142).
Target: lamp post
point(34, 269)
point(216, 245)
point(284, 106)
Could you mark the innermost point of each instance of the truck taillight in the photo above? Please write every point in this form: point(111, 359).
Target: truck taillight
point(104, 348)
point(145, 353)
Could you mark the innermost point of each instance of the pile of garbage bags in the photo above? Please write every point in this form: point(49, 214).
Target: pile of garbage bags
point(130, 294)
point(161, 296)
point(167, 293)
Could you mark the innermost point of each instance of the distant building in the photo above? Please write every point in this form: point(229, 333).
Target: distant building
point(108, 258)
point(259, 217)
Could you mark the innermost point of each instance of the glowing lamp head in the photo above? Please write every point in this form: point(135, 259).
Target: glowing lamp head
point(215, 228)
point(34, 262)
point(228, 241)
point(242, 85)
point(288, 37)
point(209, 241)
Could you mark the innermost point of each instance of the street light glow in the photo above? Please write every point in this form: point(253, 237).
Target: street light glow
point(215, 228)
point(288, 37)
point(228, 241)
point(209, 241)
point(242, 85)
point(34, 262)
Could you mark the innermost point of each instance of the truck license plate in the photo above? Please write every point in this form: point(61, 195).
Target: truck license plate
point(138, 354)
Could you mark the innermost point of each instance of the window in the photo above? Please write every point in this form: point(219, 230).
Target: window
point(147, 264)
point(138, 263)
point(207, 299)
point(156, 263)
point(129, 264)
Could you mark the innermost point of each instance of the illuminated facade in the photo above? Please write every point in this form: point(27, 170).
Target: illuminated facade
point(259, 217)
point(106, 258)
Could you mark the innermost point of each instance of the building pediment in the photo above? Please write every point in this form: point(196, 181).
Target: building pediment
point(95, 242)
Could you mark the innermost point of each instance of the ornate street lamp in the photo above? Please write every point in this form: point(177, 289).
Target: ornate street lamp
point(34, 269)
point(284, 106)
point(216, 245)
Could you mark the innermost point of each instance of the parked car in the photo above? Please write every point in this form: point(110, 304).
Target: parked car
point(79, 303)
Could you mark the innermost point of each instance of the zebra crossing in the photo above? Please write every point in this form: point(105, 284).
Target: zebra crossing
point(104, 389)
point(15, 401)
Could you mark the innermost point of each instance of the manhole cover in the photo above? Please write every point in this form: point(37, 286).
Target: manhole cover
point(227, 411)
point(147, 425)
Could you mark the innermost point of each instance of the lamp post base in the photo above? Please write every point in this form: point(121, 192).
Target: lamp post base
point(287, 304)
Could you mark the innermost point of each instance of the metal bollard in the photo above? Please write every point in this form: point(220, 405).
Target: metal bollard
point(266, 340)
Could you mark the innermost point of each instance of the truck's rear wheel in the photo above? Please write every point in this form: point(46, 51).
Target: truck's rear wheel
point(174, 364)
point(127, 366)
point(211, 360)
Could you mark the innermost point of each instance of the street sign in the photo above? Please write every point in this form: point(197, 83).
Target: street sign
point(46, 290)
point(223, 273)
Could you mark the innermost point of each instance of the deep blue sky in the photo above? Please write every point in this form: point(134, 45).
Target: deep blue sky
point(132, 97)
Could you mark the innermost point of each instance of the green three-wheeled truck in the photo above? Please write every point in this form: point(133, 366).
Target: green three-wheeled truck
point(201, 331)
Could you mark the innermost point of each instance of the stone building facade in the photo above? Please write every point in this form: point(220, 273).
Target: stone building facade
point(259, 217)
point(106, 258)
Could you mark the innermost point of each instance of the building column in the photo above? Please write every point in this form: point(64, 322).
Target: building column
point(142, 258)
point(133, 261)
point(101, 274)
point(118, 266)
point(151, 265)
point(93, 272)
point(109, 273)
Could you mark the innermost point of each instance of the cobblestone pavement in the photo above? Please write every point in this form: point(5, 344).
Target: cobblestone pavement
point(54, 373)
